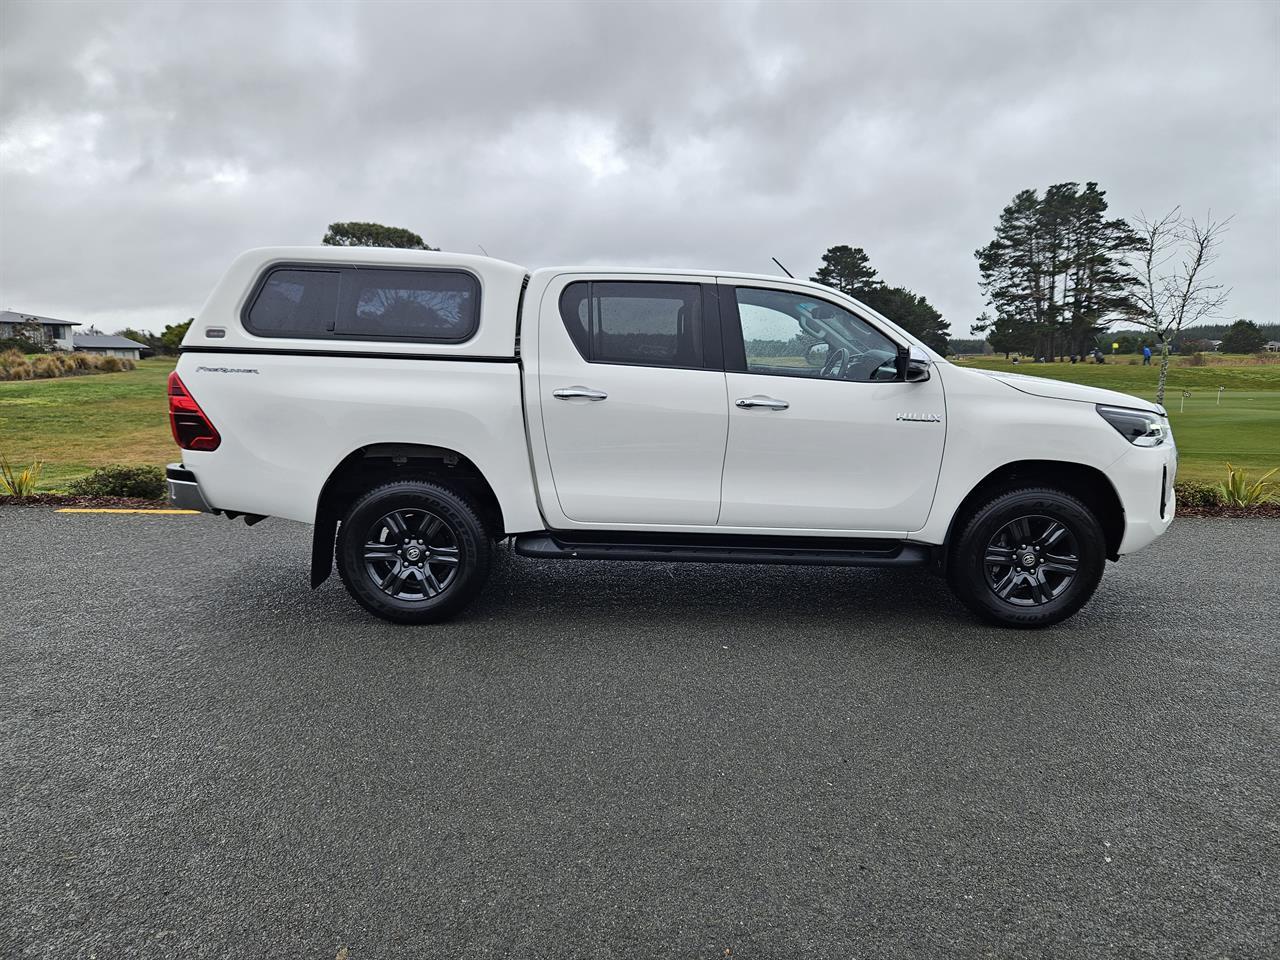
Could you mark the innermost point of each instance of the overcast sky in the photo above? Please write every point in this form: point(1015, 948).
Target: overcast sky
point(143, 145)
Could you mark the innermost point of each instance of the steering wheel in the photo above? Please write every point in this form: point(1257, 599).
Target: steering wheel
point(833, 369)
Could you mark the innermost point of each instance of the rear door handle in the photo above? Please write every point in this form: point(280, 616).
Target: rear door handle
point(761, 401)
point(579, 393)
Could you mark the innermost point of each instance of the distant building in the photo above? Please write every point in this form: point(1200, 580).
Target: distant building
point(56, 333)
point(1273, 346)
point(108, 346)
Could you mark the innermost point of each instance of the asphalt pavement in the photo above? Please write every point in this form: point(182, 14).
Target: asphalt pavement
point(201, 757)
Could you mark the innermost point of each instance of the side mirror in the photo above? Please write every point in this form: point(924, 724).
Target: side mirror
point(912, 365)
point(816, 355)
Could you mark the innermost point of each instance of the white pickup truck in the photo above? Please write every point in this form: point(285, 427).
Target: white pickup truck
point(418, 408)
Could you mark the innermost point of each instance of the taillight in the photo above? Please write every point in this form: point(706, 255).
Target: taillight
point(191, 428)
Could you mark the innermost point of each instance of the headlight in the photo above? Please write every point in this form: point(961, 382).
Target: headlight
point(1139, 427)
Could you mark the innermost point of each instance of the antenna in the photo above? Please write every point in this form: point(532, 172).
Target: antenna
point(782, 268)
point(482, 249)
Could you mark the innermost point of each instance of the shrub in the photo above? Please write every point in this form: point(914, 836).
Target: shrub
point(1238, 491)
point(17, 366)
point(1194, 495)
point(119, 480)
point(46, 366)
point(19, 484)
point(1195, 360)
point(15, 369)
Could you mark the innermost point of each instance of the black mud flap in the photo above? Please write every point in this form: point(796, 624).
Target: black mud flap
point(322, 539)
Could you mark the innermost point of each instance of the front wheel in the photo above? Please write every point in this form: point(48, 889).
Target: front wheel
point(1028, 558)
point(413, 552)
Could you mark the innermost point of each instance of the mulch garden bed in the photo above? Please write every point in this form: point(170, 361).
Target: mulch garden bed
point(1267, 510)
point(67, 500)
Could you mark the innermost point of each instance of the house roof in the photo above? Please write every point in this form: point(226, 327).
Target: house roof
point(12, 316)
point(103, 341)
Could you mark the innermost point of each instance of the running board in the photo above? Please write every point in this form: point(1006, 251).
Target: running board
point(724, 549)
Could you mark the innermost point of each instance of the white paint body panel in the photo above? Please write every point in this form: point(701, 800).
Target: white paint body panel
point(836, 459)
point(285, 429)
point(992, 424)
point(667, 451)
point(651, 453)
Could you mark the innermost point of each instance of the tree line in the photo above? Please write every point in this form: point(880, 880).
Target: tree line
point(166, 342)
point(1059, 272)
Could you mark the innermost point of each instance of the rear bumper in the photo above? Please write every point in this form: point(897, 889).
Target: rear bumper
point(184, 489)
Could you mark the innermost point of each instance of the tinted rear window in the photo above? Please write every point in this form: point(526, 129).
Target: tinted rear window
point(353, 303)
point(408, 304)
point(653, 324)
point(295, 303)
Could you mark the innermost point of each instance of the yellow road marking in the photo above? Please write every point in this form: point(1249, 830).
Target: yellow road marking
point(121, 510)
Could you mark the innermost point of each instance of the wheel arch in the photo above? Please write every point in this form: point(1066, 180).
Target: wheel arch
point(380, 463)
point(1087, 484)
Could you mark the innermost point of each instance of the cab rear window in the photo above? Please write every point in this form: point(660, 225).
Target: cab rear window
point(361, 303)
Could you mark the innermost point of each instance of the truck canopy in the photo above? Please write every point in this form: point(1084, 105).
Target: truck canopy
point(363, 300)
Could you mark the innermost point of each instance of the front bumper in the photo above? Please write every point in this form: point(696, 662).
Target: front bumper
point(184, 489)
point(1144, 480)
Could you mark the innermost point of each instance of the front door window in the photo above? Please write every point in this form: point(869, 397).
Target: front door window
point(789, 334)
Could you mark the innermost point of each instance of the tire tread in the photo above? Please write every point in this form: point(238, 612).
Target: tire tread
point(977, 596)
point(468, 524)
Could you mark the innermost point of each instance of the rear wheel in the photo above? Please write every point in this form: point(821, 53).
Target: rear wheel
point(1028, 558)
point(413, 552)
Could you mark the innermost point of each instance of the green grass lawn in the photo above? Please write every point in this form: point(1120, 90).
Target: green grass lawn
point(1244, 429)
point(74, 424)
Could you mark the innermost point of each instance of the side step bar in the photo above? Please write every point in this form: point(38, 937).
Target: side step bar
point(713, 549)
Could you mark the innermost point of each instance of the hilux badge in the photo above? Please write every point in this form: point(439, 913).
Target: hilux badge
point(921, 417)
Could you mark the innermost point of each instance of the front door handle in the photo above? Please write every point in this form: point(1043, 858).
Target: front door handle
point(761, 401)
point(579, 393)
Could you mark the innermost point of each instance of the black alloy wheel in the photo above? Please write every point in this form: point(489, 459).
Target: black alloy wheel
point(1028, 557)
point(411, 555)
point(1032, 560)
point(413, 552)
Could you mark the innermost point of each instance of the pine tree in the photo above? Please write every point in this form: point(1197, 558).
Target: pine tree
point(1055, 273)
point(847, 269)
point(1010, 269)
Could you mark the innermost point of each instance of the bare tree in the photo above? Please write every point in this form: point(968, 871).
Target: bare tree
point(1174, 287)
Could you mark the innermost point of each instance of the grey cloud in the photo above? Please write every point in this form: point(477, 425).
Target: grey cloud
point(155, 140)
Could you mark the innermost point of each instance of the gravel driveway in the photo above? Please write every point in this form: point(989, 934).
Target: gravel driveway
point(202, 758)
